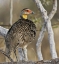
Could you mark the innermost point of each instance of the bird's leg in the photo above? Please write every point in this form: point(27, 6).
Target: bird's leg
point(3, 52)
point(15, 54)
point(7, 52)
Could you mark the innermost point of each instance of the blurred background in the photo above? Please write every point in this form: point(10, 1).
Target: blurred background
point(18, 5)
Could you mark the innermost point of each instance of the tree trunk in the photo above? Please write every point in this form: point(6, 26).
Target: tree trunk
point(47, 21)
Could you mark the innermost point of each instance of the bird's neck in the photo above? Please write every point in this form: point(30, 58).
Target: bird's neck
point(24, 16)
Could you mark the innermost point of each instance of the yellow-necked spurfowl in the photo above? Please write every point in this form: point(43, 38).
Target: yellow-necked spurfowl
point(21, 32)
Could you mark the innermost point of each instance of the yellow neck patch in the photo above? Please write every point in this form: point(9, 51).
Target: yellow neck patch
point(24, 16)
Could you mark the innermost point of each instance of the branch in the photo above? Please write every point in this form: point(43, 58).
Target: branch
point(55, 61)
point(3, 31)
point(41, 8)
point(38, 45)
point(41, 35)
point(50, 32)
point(51, 39)
point(20, 54)
point(52, 13)
point(6, 55)
point(11, 12)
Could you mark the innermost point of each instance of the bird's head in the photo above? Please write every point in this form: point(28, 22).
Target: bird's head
point(25, 12)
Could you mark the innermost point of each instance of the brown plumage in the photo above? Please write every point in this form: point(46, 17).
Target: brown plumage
point(20, 34)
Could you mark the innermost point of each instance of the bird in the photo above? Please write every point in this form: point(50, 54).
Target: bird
point(21, 33)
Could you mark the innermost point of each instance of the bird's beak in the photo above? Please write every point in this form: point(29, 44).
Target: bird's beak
point(32, 12)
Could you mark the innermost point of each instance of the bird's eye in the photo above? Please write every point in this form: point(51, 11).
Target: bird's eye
point(27, 10)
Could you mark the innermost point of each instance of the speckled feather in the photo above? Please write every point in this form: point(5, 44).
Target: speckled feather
point(20, 34)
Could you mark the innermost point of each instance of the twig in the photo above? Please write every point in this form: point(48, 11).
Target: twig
point(6, 55)
point(52, 13)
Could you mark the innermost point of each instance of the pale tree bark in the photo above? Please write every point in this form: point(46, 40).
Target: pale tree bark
point(3, 31)
point(22, 54)
point(47, 20)
point(11, 11)
point(52, 13)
